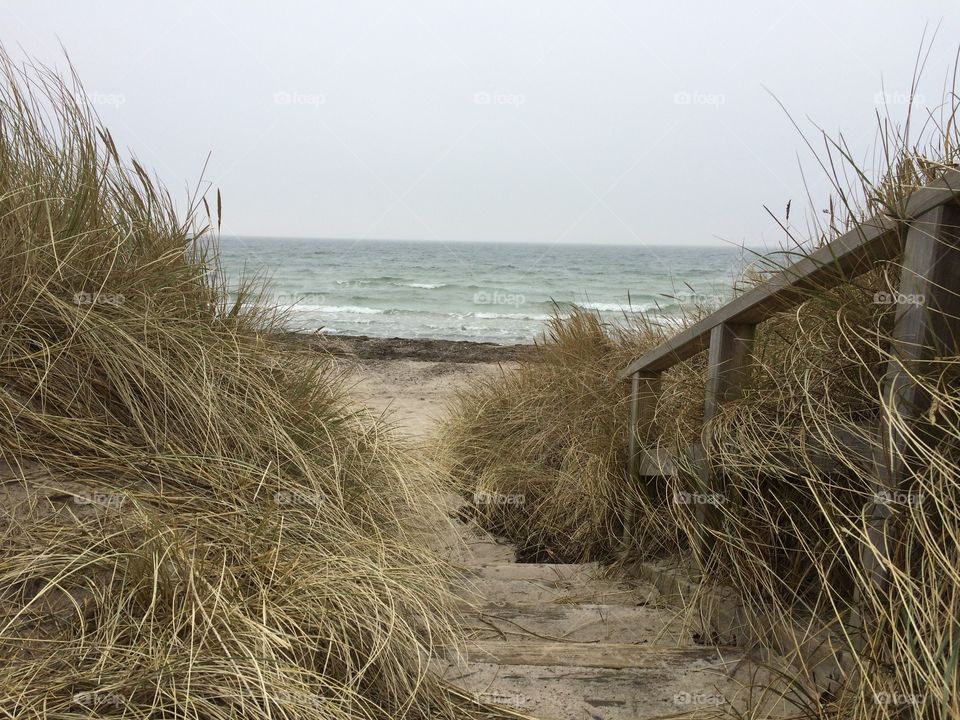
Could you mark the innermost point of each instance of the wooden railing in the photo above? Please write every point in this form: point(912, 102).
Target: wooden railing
point(926, 235)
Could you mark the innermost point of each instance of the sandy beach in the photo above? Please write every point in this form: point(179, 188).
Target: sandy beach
point(412, 394)
point(409, 382)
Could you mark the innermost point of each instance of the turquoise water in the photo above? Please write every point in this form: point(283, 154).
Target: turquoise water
point(495, 292)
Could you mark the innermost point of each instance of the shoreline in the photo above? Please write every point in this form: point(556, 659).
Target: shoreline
point(365, 347)
point(410, 382)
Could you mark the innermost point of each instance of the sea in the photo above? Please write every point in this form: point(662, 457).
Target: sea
point(491, 292)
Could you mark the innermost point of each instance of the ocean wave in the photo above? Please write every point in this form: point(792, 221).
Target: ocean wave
point(370, 280)
point(507, 316)
point(363, 310)
point(424, 286)
point(622, 307)
point(604, 306)
point(342, 309)
point(358, 310)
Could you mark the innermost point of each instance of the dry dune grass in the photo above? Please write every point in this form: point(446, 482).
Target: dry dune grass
point(542, 449)
point(193, 523)
point(790, 529)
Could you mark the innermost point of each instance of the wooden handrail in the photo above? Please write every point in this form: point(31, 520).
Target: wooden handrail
point(926, 232)
point(851, 254)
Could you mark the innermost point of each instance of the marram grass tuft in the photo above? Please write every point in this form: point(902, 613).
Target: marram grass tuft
point(193, 522)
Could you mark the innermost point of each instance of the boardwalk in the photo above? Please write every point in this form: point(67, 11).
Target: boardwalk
point(560, 642)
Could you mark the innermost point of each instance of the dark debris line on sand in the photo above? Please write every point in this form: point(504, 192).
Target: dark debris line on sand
point(364, 347)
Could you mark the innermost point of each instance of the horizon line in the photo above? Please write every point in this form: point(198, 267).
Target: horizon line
point(723, 244)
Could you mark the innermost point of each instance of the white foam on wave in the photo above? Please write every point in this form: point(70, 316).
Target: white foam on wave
point(618, 307)
point(425, 286)
point(603, 306)
point(507, 316)
point(340, 309)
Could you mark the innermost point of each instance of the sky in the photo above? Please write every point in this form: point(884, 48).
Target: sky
point(550, 121)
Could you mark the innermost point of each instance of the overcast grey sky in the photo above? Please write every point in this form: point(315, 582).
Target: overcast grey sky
point(549, 121)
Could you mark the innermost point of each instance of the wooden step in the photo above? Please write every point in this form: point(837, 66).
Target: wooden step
point(563, 692)
point(493, 592)
point(577, 623)
point(592, 655)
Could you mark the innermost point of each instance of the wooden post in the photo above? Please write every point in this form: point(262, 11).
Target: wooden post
point(634, 417)
point(927, 325)
point(731, 348)
point(644, 393)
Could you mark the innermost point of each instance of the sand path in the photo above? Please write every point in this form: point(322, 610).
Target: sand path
point(557, 642)
point(413, 394)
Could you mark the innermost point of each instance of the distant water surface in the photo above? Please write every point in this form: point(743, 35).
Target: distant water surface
point(495, 292)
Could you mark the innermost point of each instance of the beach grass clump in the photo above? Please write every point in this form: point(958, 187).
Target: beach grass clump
point(797, 462)
point(809, 529)
point(194, 523)
point(539, 451)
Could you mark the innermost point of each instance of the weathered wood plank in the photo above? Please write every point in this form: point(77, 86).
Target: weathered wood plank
point(644, 394)
point(927, 325)
point(632, 455)
point(660, 462)
point(851, 254)
point(657, 462)
point(596, 655)
point(731, 345)
point(579, 622)
point(941, 192)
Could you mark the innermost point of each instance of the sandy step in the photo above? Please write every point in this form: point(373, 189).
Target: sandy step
point(481, 548)
point(564, 692)
point(489, 591)
point(592, 655)
point(579, 623)
point(545, 572)
point(478, 552)
point(467, 546)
